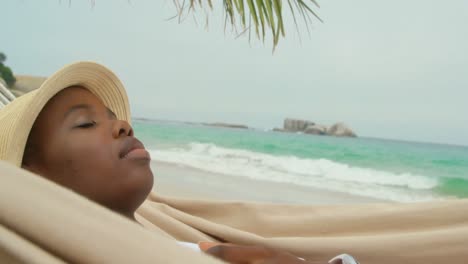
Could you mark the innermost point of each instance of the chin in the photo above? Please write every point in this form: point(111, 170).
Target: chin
point(142, 183)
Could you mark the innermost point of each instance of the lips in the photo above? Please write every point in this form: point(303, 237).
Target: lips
point(133, 148)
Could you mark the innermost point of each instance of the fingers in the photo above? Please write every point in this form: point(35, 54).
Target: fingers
point(204, 246)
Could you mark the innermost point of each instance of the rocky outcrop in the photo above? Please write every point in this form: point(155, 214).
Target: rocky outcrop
point(309, 127)
point(296, 125)
point(316, 130)
point(340, 130)
point(278, 130)
point(226, 125)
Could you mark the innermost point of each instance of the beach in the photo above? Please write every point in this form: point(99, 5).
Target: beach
point(186, 182)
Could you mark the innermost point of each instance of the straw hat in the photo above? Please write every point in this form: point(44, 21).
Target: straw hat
point(18, 117)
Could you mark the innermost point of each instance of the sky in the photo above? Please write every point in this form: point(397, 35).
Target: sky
point(388, 69)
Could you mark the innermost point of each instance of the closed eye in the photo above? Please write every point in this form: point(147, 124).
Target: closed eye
point(87, 125)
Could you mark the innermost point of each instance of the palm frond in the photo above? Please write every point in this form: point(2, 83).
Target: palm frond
point(263, 15)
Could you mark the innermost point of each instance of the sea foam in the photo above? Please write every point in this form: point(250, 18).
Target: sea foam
point(318, 173)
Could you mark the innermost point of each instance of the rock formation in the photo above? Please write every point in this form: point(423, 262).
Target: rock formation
point(278, 130)
point(296, 125)
point(226, 125)
point(309, 127)
point(316, 130)
point(340, 130)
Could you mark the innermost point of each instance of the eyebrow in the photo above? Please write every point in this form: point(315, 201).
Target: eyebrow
point(88, 107)
point(111, 114)
point(76, 108)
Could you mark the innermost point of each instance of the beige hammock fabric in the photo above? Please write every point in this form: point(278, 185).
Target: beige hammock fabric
point(41, 222)
point(435, 232)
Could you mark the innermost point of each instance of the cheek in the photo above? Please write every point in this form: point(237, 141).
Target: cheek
point(86, 166)
point(83, 157)
point(91, 154)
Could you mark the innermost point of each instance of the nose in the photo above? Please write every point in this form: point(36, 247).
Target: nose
point(121, 128)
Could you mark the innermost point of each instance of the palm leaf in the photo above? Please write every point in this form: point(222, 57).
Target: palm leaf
point(264, 15)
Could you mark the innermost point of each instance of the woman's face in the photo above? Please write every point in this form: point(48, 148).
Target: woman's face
point(79, 143)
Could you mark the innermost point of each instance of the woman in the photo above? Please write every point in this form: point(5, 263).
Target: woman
point(75, 131)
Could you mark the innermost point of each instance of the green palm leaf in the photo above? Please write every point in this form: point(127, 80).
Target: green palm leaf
point(263, 15)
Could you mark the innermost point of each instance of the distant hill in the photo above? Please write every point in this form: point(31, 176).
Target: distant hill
point(26, 83)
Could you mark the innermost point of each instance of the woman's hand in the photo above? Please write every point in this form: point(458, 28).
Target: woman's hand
point(238, 254)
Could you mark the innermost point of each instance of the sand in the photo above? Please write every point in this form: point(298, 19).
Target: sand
point(187, 182)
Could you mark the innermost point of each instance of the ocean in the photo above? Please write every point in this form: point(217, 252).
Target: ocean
point(385, 169)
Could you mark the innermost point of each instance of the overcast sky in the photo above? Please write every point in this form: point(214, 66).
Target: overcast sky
point(390, 69)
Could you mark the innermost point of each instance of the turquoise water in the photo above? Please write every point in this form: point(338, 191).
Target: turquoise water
point(394, 170)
